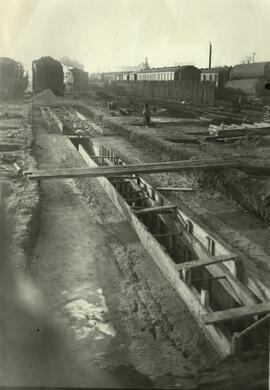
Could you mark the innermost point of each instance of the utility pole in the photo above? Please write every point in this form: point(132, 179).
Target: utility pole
point(253, 56)
point(210, 55)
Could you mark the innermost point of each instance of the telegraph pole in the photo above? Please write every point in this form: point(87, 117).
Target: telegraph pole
point(210, 55)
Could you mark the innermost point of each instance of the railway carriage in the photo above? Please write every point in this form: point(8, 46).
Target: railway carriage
point(185, 73)
point(218, 75)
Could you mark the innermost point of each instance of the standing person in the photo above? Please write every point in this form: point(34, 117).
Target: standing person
point(146, 115)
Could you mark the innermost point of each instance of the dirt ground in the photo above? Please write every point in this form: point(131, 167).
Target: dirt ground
point(155, 335)
point(233, 205)
point(175, 134)
point(88, 296)
point(102, 288)
point(241, 230)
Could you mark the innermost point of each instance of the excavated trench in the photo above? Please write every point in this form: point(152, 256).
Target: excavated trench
point(135, 191)
point(168, 234)
point(137, 197)
point(232, 186)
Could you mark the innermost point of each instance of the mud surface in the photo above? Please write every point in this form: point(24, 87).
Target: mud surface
point(93, 301)
point(233, 225)
point(115, 309)
point(184, 139)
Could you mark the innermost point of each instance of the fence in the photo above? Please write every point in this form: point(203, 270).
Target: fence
point(198, 92)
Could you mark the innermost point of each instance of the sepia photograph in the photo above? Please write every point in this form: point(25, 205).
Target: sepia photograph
point(134, 194)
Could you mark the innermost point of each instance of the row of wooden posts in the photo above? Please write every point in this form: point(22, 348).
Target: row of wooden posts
point(197, 92)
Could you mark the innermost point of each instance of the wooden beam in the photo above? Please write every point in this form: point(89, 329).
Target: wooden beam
point(123, 177)
point(204, 263)
point(176, 189)
point(132, 191)
point(136, 199)
point(167, 235)
point(77, 136)
point(210, 279)
point(236, 313)
point(155, 210)
point(105, 171)
point(108, 157)
point(255, 325)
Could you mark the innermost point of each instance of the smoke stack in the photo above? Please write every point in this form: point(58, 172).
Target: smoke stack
point(210, 55)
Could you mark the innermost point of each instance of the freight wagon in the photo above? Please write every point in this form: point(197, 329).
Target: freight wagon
point(48, 74)
point(249, 83)
point(13, 78)
point(80, 79)
point(251, 71)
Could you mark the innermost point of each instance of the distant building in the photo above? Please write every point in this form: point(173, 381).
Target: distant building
point(71, 63)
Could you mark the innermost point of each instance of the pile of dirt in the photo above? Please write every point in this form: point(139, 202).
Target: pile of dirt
point(44, 97)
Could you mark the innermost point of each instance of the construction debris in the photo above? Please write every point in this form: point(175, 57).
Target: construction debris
point(124, 112)
point(44, 97)
point(226, 131)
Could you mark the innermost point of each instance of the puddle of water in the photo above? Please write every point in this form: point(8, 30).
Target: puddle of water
point(82, 332)
point(90, 317)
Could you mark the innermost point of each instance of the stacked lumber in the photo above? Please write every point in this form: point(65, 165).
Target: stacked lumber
point(243, 130)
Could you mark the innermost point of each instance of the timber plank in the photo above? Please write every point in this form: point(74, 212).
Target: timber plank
point(203, 263)
point(176, 189)
point(106, 171)
point(155, 210)
point(236, 313)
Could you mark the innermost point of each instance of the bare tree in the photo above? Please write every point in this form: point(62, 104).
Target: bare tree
point(248, 59)
point(144, 65)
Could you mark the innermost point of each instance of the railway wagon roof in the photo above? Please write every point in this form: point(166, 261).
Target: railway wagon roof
point(216, 69)
point(167, 69)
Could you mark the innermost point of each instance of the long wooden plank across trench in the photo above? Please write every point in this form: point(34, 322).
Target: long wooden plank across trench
point(155, 210)
point(236, 313)
point(204, 263)
point(174, 166)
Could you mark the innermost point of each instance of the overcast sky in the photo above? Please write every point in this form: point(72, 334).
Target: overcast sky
point(111, 33)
